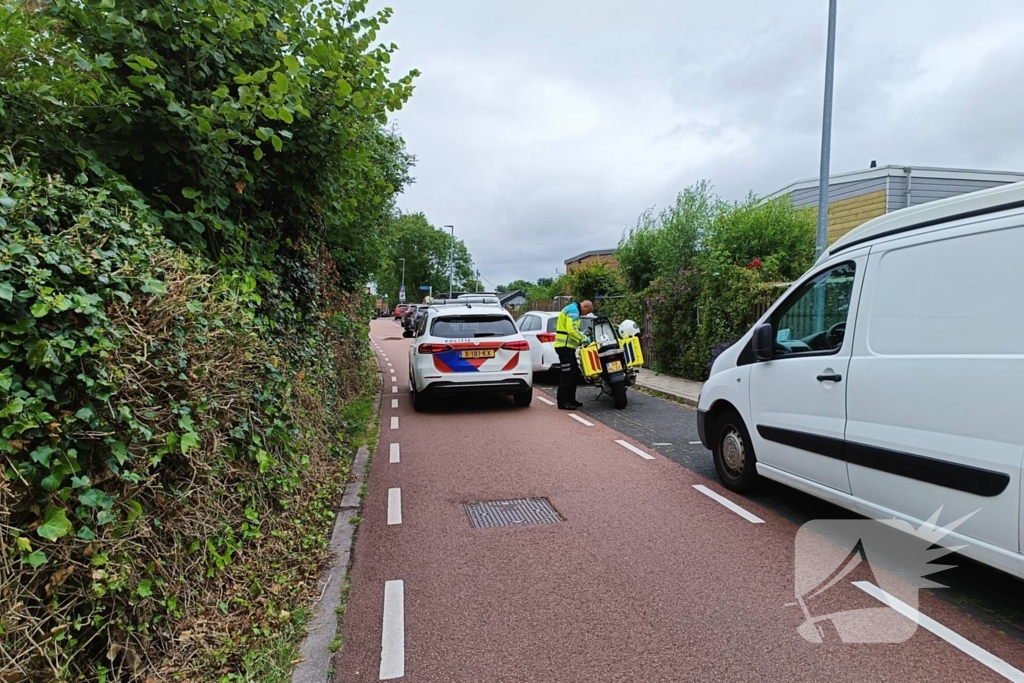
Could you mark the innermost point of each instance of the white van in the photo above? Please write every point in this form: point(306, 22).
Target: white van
point(889, 379)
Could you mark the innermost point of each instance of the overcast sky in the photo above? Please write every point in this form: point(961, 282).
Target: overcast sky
point(543, 128)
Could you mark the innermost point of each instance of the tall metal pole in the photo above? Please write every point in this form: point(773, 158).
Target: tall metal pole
point(826, 132)
point(403, 271)
point(451, 260)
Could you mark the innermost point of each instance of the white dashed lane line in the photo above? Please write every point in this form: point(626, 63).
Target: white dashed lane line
point(394, 506)
point(394, 390)
point(581, 420)
point(392, 371)
point(393, 378)
point(630, 447)
point(544, 400)
point(749, 516)
point(392, 636)
point(395, 455)
point(394, 401)
point(998, 665)
point(394, 422)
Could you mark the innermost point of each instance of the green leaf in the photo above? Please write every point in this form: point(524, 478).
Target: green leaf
point(6, 291)
point(24, 544)
point(84, 413)
point(145, 61)
point(343, 87)
point(40, 308)
point(94, 498)
point(36, 559)
point(39, 354)
point(285, 116)
point(292, 64)
point(151, 286)
point(189, 193)
point(42, 455)
point(257, 154)
point(145, 588)
point(55, 524)
point(86, 534)
point(188, 440)
point(277, 143)
point(105, 517)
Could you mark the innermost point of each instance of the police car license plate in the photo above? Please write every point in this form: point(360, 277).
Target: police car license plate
point(478, 353)
point(615, 366)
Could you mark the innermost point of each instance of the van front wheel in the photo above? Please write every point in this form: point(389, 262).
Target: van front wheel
point(734, 454)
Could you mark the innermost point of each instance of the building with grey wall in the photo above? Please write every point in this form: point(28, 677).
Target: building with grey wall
point(859, 196)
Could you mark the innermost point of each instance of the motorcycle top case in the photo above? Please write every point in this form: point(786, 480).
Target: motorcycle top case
point(634, 354)
point(590, 362)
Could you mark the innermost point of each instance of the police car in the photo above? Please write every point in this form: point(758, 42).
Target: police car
point(468, 345)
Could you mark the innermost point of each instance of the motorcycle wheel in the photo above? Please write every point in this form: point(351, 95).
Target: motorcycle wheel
point(619, 394)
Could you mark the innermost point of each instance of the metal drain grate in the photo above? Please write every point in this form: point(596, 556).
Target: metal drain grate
point(520, 512)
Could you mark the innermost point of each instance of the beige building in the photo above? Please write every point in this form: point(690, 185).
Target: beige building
point(605, 256)
point(859, 196)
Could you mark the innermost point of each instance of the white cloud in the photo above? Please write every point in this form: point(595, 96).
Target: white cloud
point(543, 129)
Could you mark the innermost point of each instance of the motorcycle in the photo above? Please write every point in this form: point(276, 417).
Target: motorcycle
point(613, 359)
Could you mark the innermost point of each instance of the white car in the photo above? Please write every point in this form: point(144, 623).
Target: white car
point(468, 346)
point(538, 327)
point(888, 379)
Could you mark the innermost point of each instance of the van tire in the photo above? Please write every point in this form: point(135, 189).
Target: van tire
point(733, 453)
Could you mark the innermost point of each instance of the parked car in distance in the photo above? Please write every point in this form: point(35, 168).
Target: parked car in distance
point(468, 346)
point(400, 310)
point(888, 379)
point(538, 328)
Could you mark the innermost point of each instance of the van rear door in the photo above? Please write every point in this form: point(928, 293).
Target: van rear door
point(937, 379)
point(798, 399)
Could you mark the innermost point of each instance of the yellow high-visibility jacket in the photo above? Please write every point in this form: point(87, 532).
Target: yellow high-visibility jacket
point(567, 330)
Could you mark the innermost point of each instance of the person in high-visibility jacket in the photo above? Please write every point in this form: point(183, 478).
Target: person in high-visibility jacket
point(567, 339)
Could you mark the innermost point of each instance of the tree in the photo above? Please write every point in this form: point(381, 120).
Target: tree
point(662, 244)
point(428, 254)
point(593, 280)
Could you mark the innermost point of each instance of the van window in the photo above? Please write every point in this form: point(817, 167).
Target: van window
point(961, 295)
point(813, 318)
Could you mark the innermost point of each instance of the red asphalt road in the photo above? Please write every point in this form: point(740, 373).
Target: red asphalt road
point(645, 580)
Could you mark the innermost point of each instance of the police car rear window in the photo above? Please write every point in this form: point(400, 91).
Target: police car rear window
point(472, 326)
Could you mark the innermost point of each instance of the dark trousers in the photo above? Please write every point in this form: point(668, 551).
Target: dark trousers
point(569, 377)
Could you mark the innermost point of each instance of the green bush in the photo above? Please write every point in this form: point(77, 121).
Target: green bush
point(706, 265)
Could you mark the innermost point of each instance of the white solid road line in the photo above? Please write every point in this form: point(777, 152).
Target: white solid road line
point(392, 636)
point(749, 516)
point(394, 401)
point(394, 422)
point(395, 456)
point(394, 506)
point(394, 390)
point(630, 447)
point(541, 398)
point(581, 420)
point(998, 665)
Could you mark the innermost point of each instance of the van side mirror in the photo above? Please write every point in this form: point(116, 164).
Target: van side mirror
point(763, 342)
point(407, 334)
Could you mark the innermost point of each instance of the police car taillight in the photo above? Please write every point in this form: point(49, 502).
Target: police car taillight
point(434, 348)
point(521, 345)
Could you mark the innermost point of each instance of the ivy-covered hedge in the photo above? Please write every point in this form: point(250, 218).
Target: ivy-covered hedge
point(159, 461)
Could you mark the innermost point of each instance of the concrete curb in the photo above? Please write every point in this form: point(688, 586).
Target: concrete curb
point(667, 396)
point(315, 655)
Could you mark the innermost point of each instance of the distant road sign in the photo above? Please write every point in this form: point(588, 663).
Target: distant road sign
point(425, 288)
point(401, 294)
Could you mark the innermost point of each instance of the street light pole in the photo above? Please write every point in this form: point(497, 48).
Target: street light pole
point(826, 132)
point(403, 275)
point(451, 260)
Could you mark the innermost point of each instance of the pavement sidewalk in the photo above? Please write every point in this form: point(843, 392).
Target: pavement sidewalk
point(685, 390)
